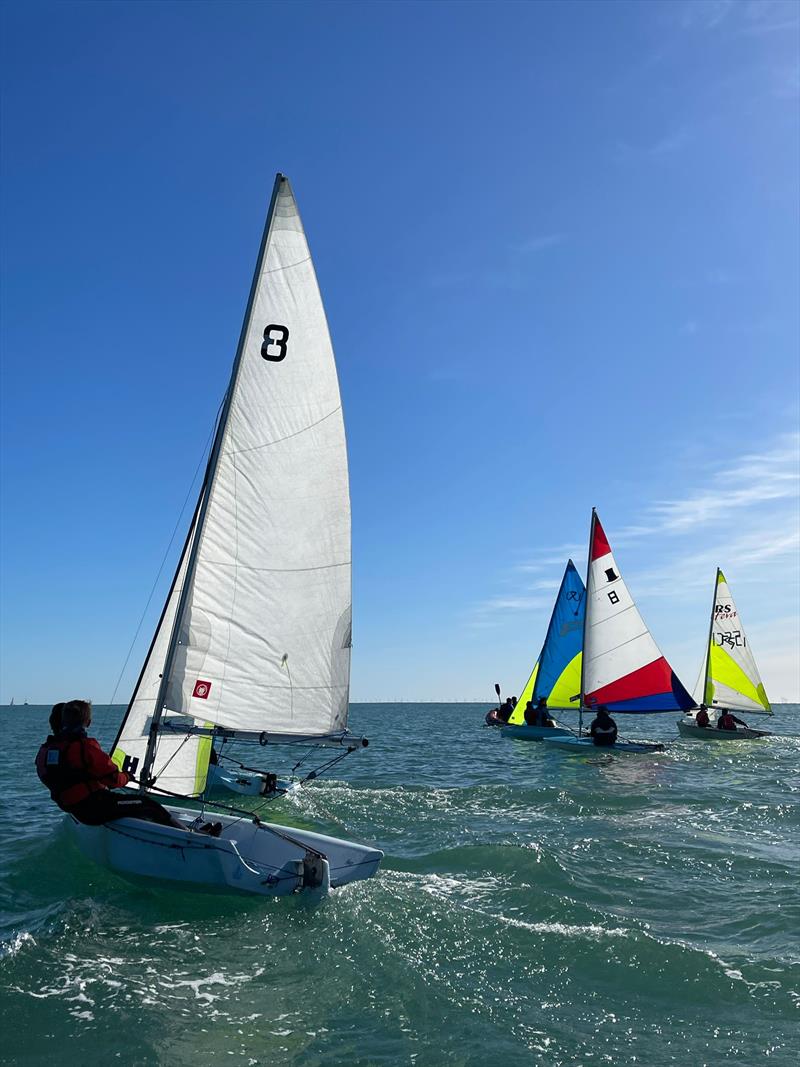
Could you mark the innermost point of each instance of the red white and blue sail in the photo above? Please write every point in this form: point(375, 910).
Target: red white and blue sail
point(623, 667)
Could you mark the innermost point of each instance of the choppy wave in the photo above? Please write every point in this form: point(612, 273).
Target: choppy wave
point(533, 908)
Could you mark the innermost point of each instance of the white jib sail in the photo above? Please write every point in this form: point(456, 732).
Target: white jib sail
point(264, 640)
point(181, 763)
point(732, 679)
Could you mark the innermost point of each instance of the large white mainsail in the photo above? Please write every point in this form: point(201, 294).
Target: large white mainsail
point(730, 676)
point(256, 633)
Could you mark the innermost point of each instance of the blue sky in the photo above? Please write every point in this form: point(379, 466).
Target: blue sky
point(558, 247)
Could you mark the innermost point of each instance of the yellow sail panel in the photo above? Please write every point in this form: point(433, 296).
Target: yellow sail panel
point(566, 693)
point(518, 715)
point(726, 674)
point(201, 764)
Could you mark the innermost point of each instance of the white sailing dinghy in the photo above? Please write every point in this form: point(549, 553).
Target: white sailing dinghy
point(556, 675)
point(622, 666)
point(729, 678)
point(253, 642)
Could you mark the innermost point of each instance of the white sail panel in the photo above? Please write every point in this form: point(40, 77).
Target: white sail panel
point(264, 641)
point(181, 762)
point(623, 667)
point(732, 677)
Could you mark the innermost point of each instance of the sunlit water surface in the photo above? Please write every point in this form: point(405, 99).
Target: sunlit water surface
point(533, 907)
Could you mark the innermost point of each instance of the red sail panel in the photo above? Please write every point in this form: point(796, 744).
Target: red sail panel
point(600, 545)
point(655, 677)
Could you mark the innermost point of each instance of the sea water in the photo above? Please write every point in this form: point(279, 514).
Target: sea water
point(534, 907)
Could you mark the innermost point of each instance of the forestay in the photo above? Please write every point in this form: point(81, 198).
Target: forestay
point(181, 764)
point(623, 667)
point(259, 639)
point(557, 673)
point(731, 675)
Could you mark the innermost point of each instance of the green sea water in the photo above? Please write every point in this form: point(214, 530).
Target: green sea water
point(534, 907)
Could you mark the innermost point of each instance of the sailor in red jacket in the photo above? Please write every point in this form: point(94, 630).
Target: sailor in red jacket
point(80, 776)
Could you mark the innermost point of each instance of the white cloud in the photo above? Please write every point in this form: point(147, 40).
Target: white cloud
point(545, 240)
point(753, 479)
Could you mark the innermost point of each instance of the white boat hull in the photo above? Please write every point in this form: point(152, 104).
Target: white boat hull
point(265, 859)
point(247, 783)
point(523, 732)
point(584, 745)
point(711, 733)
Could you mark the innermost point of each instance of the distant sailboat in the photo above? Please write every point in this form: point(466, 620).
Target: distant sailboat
point(730, 677)
point(253, 643)
point(556, 675)
point(622, 666)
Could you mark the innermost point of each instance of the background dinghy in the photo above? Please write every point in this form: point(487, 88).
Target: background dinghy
point(556, 674)
point(730, 678)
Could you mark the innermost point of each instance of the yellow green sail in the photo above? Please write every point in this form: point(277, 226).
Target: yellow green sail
point(732, 679)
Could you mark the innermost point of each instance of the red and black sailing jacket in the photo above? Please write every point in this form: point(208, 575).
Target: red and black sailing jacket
point(73, 766)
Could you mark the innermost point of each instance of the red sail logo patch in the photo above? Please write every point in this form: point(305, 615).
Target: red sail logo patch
point(201, 689)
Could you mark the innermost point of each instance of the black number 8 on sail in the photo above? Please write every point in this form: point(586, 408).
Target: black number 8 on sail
point(274, 347)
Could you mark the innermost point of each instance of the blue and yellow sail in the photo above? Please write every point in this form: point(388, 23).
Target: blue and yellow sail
point(557, 673)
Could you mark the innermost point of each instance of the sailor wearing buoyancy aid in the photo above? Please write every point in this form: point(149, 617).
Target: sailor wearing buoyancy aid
point(81, 777)
point(71, 764)
point(603, 729)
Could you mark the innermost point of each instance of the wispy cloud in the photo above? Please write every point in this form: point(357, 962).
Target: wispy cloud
point(747, 511)
point(667, 144)
point(753, 479)
point(542, 241)
point(704, 14)
point(514, 268)
point(737, 17)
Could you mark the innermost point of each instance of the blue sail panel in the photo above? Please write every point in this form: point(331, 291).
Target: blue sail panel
point(563, 645)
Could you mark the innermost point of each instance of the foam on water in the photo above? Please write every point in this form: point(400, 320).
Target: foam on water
point(534, 907)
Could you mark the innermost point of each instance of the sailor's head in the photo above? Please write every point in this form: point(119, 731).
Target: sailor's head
point(528, 705)
point(76, 714)
point(55, 718)
point(542, 702)
point(601, 709)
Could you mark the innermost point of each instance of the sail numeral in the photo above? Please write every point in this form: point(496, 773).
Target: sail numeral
point(732, 638)
point(274, 346)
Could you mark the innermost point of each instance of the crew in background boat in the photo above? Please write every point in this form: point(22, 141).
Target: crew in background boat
point(727, 720)
point(603, 729)
point(701, 718)
point(80, 775)
point(506, 709)
point(538, 716)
